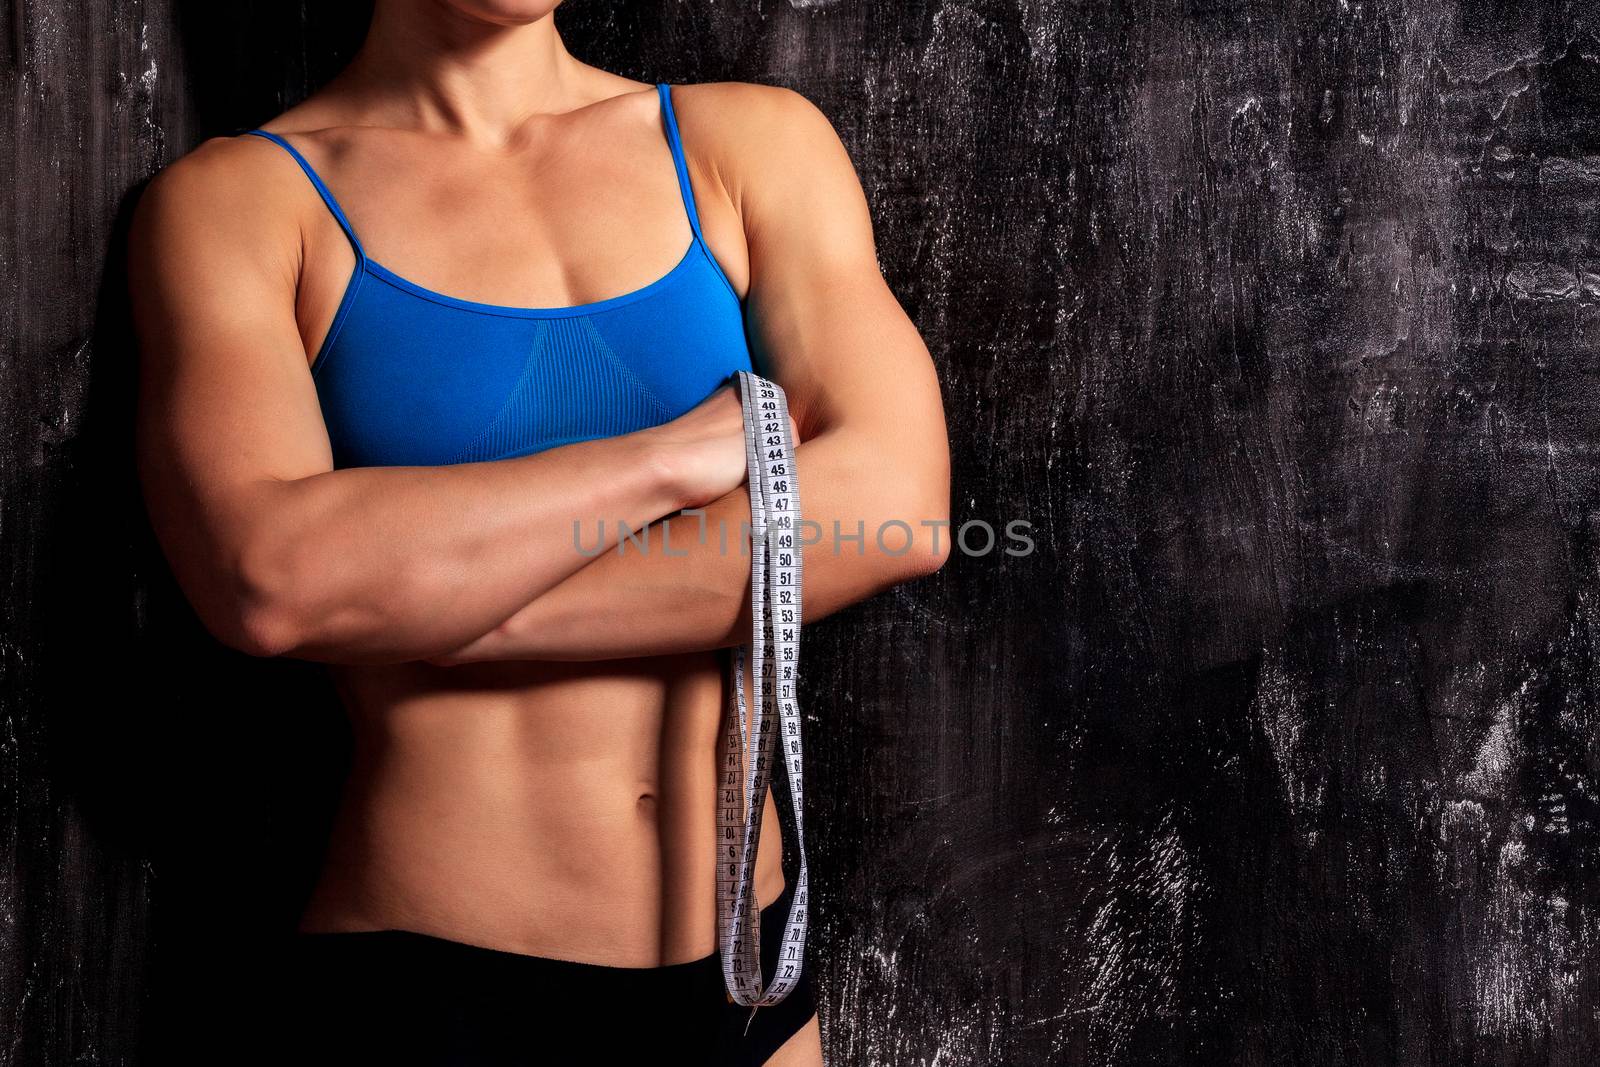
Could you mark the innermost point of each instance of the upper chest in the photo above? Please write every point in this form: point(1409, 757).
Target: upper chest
point(428, 347)
point(575, 212)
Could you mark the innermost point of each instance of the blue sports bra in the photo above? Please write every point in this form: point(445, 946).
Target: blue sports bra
point(411, 377)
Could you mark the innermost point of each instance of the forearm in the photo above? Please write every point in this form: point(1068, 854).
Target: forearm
point(630, 602)
point(387, 564)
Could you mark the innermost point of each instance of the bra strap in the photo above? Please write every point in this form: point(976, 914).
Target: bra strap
point(676, 144)
point(322, 189)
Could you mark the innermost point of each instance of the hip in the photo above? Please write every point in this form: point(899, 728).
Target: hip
point(398, 996)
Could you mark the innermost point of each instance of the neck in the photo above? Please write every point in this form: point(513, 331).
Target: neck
point(428, 65)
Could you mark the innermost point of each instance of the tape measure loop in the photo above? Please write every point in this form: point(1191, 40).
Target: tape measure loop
point(773, 657)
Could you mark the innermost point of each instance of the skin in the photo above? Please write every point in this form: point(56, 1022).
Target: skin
point(537, 729)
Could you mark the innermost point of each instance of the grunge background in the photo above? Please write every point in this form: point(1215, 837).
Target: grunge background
point(1278, 320)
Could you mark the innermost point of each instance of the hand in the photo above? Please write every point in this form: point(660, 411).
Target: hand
point(702, 450)
point(702, 455)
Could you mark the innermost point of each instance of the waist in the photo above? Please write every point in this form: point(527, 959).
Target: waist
point(559, 810)
point(444, 954)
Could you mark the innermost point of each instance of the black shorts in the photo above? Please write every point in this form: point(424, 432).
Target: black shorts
point(400, 997)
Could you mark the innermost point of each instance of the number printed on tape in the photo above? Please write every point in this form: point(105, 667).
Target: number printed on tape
point(775, 611)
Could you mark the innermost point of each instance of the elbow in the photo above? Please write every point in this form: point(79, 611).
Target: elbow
point(305, 600)
point(265, 630)
point(252, 623)
point(915, 540)
point(262, 616)
point(923, 499)
point(930, 503)
point(938, 551)
point(931, 547)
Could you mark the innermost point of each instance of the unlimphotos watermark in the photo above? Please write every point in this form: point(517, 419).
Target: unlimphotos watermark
point(894, 537)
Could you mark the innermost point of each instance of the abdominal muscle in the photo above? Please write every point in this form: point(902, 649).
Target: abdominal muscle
point(565, 810)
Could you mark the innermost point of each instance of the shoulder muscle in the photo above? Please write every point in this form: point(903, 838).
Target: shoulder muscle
point(783, 166)
point(223, 210)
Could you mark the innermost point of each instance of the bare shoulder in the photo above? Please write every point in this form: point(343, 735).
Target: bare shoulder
point(228, 189)
point(787, 174)
point(739, 105)
point(757, 135)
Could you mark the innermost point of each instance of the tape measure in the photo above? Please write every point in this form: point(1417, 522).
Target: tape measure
point(774, 668)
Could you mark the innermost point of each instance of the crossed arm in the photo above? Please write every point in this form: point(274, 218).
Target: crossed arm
point(284, 555)
point(826, 327)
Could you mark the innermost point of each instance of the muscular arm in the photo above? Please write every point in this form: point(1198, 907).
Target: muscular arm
point(861, 387)
point(278, 552)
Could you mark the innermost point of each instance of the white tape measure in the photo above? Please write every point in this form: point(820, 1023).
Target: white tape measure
point(774, 652)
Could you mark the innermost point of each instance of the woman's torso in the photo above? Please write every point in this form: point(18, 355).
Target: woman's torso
point(468, 306)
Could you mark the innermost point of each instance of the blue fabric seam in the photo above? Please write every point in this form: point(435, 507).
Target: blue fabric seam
point(536, 346)
point(622, 368)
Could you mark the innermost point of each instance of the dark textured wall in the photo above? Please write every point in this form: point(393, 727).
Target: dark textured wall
point(1278, 320)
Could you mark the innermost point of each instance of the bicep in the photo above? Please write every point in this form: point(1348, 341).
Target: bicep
point(822, 317)
point(226, 406)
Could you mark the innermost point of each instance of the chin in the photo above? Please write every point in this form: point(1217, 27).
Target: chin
point(503, 12)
